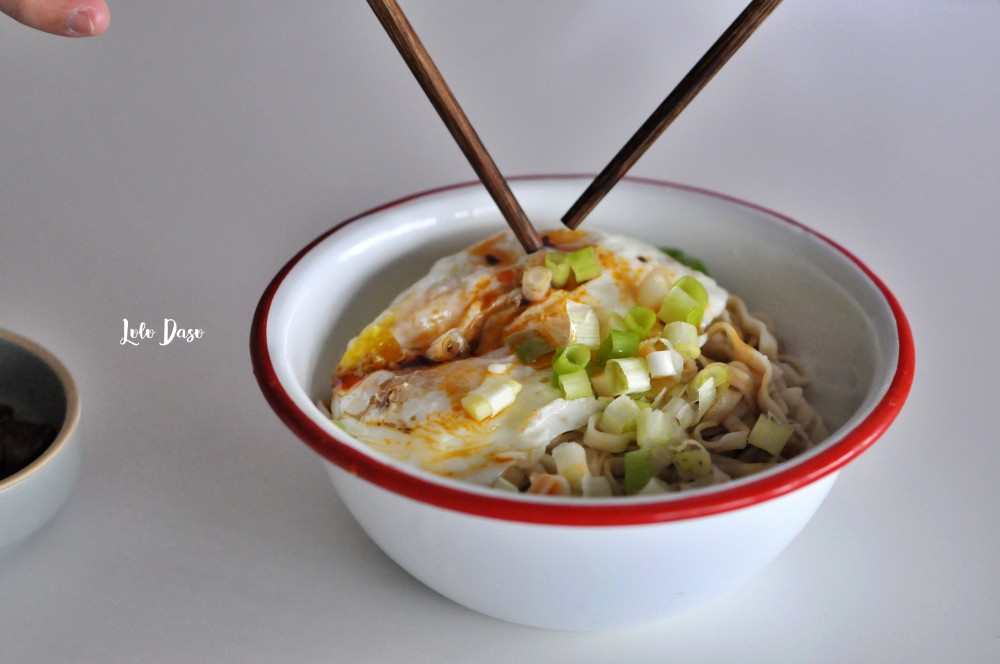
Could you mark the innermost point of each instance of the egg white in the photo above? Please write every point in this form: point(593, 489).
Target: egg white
point(413, 412)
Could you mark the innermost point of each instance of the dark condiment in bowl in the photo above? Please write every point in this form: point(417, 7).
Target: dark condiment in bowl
point(21, 442)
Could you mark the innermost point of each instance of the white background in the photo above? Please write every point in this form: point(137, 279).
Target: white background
point(170, 167)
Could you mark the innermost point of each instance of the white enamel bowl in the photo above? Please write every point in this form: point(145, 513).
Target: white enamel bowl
point(41, 390)
point(572, 563)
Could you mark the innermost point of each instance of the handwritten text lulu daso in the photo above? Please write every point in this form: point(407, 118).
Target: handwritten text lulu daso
point(133, 336)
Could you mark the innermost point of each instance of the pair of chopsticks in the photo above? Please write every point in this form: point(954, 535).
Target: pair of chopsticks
point(419, 61)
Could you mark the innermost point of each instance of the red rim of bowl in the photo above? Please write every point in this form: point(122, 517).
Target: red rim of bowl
point(614, 513)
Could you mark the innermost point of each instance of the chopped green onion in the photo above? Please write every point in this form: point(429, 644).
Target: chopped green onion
point(618, 343)
point(679, 409)
point(718, 371)
point(535, 283)
point(653, 288)
point(620, 415)
point(583, 325)
point(706, 395)
point(654, 427)
point(528, 345)
point(683, 337)
point(638, 470)
point(709, 384)
point(571, 463)
point(477, 406)
point(684, 259)
point(504, 484)
point(602, 440)
point(664, 363)
point(679, 305)
point(571, 358)
point(595, 486)
point(585, 264)
point(575, 384)
point(694, 288)
point(557, 264)
point(640, 320)
point(693, 461)
point(603, 384)
point(531, 350)
point(769, 435)
point(616, 321)
point(629, 375)
point(490, 398)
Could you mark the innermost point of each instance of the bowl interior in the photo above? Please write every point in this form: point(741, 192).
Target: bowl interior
point(40, 390)
point(827, 311)
point(30, 385)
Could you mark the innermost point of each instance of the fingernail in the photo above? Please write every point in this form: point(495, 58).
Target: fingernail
point(80, 23)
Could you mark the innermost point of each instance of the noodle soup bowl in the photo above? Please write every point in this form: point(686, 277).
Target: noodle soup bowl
point(586, 563)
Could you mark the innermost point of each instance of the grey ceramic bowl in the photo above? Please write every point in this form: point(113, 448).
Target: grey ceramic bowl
point(40, 390)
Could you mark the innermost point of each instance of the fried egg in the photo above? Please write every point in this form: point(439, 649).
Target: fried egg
point(399, 385)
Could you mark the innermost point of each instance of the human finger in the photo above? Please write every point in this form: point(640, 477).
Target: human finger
point(69, 18)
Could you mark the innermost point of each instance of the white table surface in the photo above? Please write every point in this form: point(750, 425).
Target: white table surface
point(169, 168)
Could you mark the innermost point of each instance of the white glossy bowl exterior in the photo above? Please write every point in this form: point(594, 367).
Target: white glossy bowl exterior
point(40, 388)
point(574, 563)
point(577, 577)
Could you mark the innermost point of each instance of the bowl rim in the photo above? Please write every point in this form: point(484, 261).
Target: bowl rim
point(70, 421)
point(452, 496)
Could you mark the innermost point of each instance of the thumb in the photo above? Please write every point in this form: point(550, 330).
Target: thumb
point(70, 18)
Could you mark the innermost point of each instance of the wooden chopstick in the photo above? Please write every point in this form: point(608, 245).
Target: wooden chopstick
point(440, 95)
point(670, 108)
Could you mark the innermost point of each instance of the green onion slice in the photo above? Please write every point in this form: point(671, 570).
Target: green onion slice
point(575, 384)
point(679, 305)
point(683, 337)
point(640, 320)
point(694, 288)
point(629, 375)
point(557, 264)
point(616, 321)
point(693, 461)
point(710, 382)
point(490, 398)
point(571, 463)
point(717, 371)
point(665, 363)
point(638, 470)
point(620, 415)
point(618, 343)
point(585, 264)
point(528, 345)
point(603, 383)
point(682, 412)
point(769, 435)
point(571, 358)
point(654, 427)
point(583, 325)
